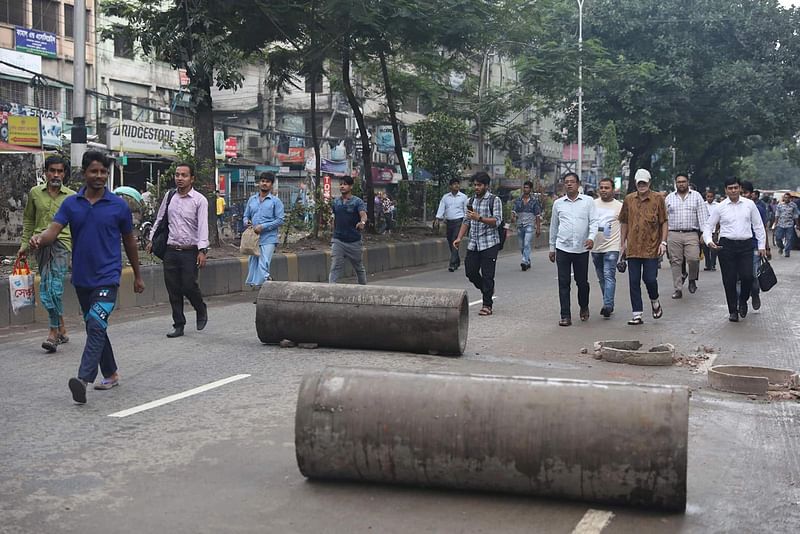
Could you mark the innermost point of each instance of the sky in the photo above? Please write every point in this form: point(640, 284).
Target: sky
point(789, 3)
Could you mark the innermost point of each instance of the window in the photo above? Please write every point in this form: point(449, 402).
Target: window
point(45, 15)
point(316, 86)
point(47, 98)
point(12, 12)
point(123, 42)
point(16, 92)
point(253, 141)
point(127, 107)
point(69, 14)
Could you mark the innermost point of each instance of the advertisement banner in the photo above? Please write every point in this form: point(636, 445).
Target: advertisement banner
point(295, 155)
point(49, 120)
point(29, 62)
point(24, 131)
point(157, 139)
point(326, 188)
point(231, 147)
point(384, 140)
point(35, 42)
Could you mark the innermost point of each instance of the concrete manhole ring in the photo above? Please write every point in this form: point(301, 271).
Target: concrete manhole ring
point(751, 380)
point(629, 351)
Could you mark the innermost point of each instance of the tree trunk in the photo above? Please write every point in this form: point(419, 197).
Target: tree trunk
point(317, 156)
point(204, 151)
point(398, 146)
point(366, 150)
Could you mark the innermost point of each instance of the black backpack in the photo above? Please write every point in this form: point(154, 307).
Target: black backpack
point(502, 233)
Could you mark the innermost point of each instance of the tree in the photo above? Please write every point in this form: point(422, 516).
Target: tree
point(709, 74)
point(441, 147)
point(612, 158)
point(211, 40)
point(770, 169)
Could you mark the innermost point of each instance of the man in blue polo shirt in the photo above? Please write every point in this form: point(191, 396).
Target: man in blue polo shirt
point(97, 219)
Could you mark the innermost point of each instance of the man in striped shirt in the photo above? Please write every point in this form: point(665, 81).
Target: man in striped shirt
point(687, 214)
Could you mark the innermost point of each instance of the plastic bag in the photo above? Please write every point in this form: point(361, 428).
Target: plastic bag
point(249, 245)
point(21, 283)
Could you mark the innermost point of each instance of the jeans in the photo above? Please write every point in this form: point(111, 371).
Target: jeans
point(785, 238)
point(525, 235)
point(97, 303)
point(453, 226)
point(579, 265)
point(736, 264)
point(605, 265)
point(479, 266)
point(258, 266)
point(350, 251)
point(180, 277)
point(642, 269)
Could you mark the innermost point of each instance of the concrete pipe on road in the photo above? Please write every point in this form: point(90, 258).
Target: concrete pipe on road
point(404, 319)
point(613, 443)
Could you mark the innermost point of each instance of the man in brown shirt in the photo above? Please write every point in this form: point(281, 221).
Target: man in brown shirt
point(643, 234)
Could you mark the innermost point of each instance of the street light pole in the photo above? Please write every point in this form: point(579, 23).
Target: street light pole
point(78, 132)
point(580, 89)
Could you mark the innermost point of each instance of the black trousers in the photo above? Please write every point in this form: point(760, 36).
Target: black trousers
point(579, 265)
point(736, 263)
point(180, 277)
point(709, 254)
point(479, 266)
point(453, 226)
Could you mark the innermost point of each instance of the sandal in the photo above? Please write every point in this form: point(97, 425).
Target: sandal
point(63, 338)
point(565, 322)
point(486, 310)
point(636, 321)
point(50, 345)
point(657, 311)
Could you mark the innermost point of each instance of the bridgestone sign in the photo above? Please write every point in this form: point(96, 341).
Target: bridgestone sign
point(146, 138)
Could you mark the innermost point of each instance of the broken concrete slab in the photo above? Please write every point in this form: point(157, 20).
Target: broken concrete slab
point(751, 380)
point(628, 351)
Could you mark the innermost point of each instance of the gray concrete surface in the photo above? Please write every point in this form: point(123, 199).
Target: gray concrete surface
point(223, 460)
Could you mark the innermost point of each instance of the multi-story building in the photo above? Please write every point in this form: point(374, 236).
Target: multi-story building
point(38, 36)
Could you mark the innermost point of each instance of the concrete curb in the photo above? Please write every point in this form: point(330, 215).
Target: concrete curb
point(225, 276)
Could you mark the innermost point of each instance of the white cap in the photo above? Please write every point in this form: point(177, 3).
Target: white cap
point(642, 175)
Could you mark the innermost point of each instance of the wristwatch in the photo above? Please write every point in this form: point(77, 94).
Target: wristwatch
point(664, 243)
point(203, 250)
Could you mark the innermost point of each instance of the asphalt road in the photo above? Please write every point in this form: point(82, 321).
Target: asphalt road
point(223, 460)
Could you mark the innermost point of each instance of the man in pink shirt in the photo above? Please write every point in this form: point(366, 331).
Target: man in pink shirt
point(187, 247)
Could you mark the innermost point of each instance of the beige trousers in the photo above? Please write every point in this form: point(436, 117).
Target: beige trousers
point(683, 246)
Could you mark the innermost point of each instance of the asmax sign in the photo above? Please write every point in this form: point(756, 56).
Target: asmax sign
point(146, 138)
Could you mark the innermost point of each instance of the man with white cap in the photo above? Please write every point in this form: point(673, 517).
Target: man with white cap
point(643, 235)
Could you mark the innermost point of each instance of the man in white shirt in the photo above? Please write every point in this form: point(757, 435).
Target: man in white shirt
point(452, 208)
point(687, 214)
point(738, 220)
point(605, 253)
point(709, 254)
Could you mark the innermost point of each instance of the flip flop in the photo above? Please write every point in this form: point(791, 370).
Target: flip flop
point(657, 311)
point(636, 321)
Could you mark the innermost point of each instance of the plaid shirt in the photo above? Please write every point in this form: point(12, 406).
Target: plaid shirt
point(689, 213)
point(481, 235)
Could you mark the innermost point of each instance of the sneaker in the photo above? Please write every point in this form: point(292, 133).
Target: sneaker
point(78, 389)
point(107, 383)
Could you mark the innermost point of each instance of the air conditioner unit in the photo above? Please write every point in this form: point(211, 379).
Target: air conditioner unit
point(164, 115)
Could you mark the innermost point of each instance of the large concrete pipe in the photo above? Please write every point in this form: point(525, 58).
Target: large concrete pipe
point(406, 319)
point(603, 442)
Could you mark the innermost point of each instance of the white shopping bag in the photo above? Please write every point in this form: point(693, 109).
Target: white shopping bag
point(20, 284)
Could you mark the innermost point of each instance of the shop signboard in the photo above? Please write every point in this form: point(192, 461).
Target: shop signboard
point(157, 139)
point(35, 42)
point(31, 63)
point(326, 188)
point(231, 147)
point(24, 131)
point(384, 140)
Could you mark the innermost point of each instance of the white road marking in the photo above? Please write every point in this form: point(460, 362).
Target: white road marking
point(178, 396)
point(706, 365)
point(593, 522)
point(479, 301)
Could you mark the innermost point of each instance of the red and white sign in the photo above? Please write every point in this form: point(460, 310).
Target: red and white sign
point(231, 147)
point(326, 188)
point(183, 78)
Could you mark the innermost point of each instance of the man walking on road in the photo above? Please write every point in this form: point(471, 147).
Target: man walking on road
point(786, 217)
point(527, 213)
point(264, 213)
point(687, 212)
point(763, 211)
point(643, 235)
point(738, 220)
point(349, 220)
point(187, 246)
point(484, 216)
point(605, 253)
point(573, 227)
point(53, 260)
point(452, 209)
point(98, 219)
point(709, 254)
